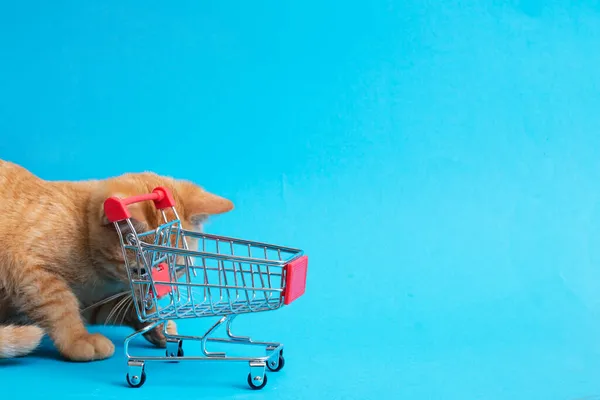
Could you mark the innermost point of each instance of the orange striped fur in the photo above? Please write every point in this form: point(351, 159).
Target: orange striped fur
point(59, 257)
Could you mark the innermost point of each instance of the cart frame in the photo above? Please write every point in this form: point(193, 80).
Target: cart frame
point(166, 284)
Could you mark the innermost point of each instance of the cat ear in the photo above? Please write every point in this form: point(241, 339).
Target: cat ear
point(138, 217)
point(199, 204)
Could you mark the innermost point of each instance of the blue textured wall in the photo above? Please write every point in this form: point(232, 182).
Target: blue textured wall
point(438, 160)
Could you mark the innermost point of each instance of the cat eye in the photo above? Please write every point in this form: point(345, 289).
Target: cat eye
point(141, 271)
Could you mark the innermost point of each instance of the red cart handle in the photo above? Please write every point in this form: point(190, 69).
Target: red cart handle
point(116, 208)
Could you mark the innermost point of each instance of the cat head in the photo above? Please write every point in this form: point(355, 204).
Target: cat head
point(193, 204)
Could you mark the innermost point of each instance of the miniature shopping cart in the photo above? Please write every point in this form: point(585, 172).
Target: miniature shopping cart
point(224, 278)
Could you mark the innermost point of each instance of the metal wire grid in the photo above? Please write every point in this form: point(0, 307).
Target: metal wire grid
point(226, 276)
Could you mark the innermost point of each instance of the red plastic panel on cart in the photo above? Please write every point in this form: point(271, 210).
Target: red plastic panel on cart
point(161, 273)
point(295, 279)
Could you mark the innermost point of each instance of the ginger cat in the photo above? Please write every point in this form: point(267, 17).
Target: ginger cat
point(60, 259)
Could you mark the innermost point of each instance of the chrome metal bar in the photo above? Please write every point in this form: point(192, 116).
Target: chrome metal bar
point(184, 284)
point(215, 256)
point(240, 241)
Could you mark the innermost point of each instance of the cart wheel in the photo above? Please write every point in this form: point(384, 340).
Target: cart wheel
point(276, 365)
point(137, 381)
point(257, 382)
point(180, 353)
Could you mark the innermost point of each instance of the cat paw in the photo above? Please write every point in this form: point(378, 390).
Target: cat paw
point(156, 336)
point(89, 348)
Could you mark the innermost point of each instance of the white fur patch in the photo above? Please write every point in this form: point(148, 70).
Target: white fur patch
point(18, 341)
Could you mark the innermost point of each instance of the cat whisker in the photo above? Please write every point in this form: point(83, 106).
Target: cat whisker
point(127, 310)
point(104, 301)
point(114, 310)
point(122, 313)
point(121, 309)
point(110, 314)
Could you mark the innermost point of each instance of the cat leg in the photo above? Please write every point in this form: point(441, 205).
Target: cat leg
point(156, 336)
point(49, 302)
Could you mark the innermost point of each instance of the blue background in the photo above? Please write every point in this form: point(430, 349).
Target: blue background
point(438, 161)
